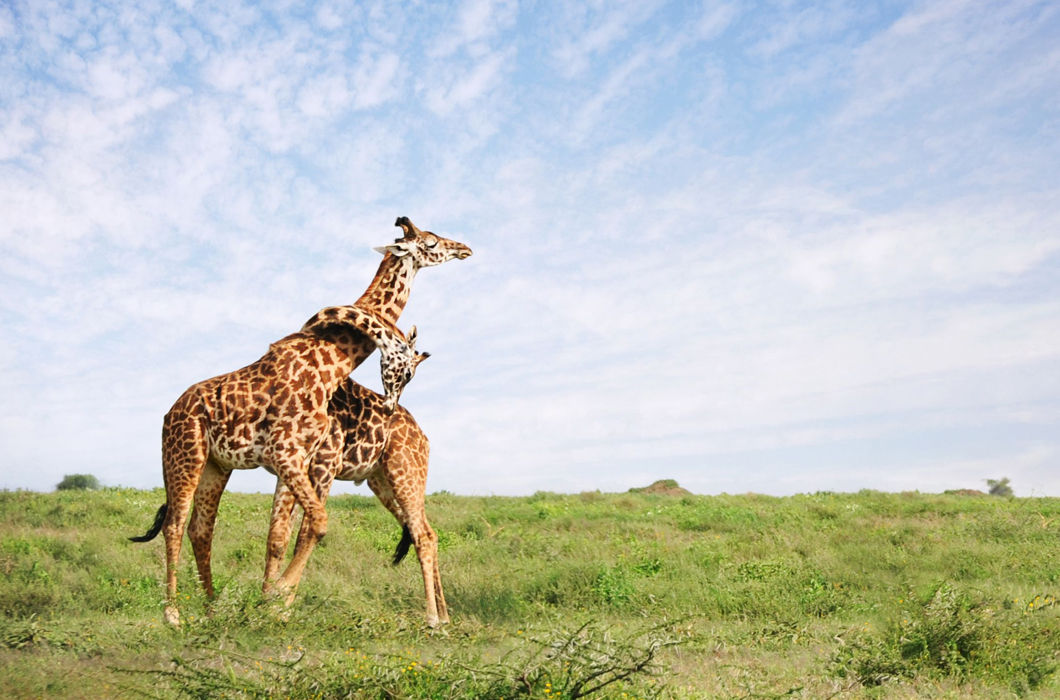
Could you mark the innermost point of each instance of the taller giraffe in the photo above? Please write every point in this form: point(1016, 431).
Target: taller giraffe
point(273, 413)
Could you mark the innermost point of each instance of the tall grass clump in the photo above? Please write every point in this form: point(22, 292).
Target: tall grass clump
point(959, 634)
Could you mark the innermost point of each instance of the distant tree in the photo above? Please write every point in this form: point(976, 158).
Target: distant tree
point(78, 482)
point(1000, 487)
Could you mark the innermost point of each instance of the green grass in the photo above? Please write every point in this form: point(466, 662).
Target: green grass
point(602, 595)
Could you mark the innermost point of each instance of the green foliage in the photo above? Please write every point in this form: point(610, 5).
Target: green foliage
point(776, 596)
point(956, 633)
point(78, 482)
point(558, 664)
point(999, 487)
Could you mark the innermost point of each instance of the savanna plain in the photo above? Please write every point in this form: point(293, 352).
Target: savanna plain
point(632, 595)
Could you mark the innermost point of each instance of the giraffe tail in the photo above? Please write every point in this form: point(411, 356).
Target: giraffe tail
point(403, 545)
point(160, 517)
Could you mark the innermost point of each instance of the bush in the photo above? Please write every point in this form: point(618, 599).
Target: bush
point(1000, 487)
point(562, 664)
point(78, 482)
point(955, 634)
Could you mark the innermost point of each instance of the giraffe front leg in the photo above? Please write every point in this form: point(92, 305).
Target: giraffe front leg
point(322, 486)
point(283, 503)
point(293, 473)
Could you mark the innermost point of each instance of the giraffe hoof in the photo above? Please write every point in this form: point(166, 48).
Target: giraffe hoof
point(172, 616)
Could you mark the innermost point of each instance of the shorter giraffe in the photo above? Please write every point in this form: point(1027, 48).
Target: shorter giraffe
point(390, 451)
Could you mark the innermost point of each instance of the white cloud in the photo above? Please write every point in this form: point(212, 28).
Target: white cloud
point(955, 46)
point(376, 78)
point(797, 25)
point(7, 22)
point(324, 95)
point(475, 22)
point(954, 247)
point(592, 29)
point(714, 20)
point(453, 88)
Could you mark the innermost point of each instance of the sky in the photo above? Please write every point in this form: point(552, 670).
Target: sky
point(760, 247)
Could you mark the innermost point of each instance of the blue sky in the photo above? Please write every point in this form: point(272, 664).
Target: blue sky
point(771, 247)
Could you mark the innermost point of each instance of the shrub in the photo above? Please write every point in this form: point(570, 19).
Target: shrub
point(1000, 487)
point(78, 482)
point(562, 664)
point(954, 634)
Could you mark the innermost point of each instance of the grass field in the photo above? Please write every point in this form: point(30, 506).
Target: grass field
point(552, 596)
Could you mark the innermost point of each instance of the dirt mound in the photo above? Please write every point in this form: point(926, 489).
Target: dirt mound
point(666, 487)
point(964, 492)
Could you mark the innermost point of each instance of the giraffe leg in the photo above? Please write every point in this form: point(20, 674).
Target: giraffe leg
point(283, 502)
point(183, 458)
point(380, 485)
point(203, 517)
point(327, 460)
point(322, 485)
point(294, 474)
point(401, 486)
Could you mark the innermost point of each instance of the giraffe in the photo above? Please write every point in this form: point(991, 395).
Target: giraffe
point(390, 451)
point(273, 413)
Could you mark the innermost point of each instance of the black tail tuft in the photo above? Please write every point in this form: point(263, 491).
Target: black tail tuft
point(160, 518)
point(403, 545)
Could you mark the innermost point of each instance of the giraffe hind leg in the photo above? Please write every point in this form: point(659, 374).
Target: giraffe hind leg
point(404, 497)
point(183, 459)
point(203, 518)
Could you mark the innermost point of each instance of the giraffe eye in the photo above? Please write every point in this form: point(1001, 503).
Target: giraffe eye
point(431, 241)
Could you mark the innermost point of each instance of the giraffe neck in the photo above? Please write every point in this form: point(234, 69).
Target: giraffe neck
point(386, 296)
point(389, 290)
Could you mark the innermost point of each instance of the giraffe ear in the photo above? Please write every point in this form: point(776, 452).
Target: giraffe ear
point(398, 249)
point(411, 338)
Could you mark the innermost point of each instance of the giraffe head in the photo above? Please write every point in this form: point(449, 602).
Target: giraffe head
point(424, 247)
point(398, 368)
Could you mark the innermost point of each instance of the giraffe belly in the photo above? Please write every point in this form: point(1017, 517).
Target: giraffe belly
point(360, 460)
point(230, 456)
point(356, 472)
